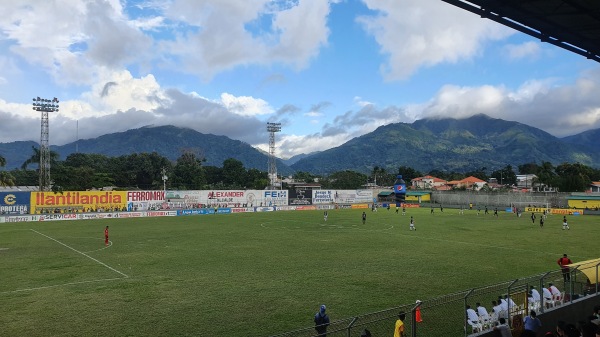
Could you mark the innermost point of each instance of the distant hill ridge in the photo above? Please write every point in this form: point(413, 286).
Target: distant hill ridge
point(427, 144)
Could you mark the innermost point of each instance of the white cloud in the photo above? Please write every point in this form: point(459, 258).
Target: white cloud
point(524, 50)
point(424, 33)
point(293, 37)
point(245, 105)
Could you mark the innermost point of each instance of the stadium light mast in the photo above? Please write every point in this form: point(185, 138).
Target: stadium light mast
point(272, 128)
point(45, 106)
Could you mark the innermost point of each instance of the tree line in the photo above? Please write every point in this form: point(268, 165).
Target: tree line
point(82, 171)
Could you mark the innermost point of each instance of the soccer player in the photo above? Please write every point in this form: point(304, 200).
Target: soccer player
point(106, 236)
point(542, 222)
point(565, 224)
point(533, 218)
point(325, 215)
point(364, 218)
point(496, 212)
point(396, 209)
point(486, 211)
point(403, 210)
point(412, 224)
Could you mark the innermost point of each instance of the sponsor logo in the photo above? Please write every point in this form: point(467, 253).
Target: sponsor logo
point(238, 210)
point(57, 217)
point(566, 211)
point(78, 198)
point(146, 196)
point(14, 209)
point(536, 209)
point(17, 219)
point(10, 199)
point(225, 194)
point(130, 215)
point(305, 208)
point(360, 206)
point(275, 194)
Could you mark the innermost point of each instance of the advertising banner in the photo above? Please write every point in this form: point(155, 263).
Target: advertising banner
point(131, 215)
point(360, 206)
point(146, 200)
point(274, 197)
point(323, 196)
point(185, 199)
point(405, 205)
point(56, 217)
point(195, 211)
point(264, 209)
point(353, 196)
point(161, 213)
point(18, 218)
point(306, 208)
point(14, 202)
point(566, 211)
point(537, 209)
point(300, 196)
point(286, 208)
point(84, 201)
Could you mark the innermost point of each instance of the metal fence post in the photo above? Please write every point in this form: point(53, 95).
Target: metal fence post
point(413, 319)
point(572, 275)
point(508, 299)
point(465, 308)
point(351, 324)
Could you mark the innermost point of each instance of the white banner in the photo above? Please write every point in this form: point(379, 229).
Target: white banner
point(146, 200)
point(323, 196)
point(226, 198)
point(353, 196)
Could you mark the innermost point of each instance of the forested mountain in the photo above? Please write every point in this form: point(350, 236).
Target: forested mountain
point(589, 139)
point(443, 144)
point(168, 141)
point(448, 144)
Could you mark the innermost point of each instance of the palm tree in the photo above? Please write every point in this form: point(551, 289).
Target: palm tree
point(6, 179)
point(35, 158)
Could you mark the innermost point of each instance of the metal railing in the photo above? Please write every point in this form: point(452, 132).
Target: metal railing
point(446, 316)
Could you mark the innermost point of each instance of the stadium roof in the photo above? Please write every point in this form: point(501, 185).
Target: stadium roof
point(570, 24)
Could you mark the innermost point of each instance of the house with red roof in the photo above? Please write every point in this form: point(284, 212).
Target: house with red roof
point(427, 182)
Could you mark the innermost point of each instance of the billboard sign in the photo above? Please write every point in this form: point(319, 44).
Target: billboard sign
point(14, 202)
point(82, 201)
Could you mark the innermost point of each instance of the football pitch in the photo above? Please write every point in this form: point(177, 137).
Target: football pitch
point(260, 274)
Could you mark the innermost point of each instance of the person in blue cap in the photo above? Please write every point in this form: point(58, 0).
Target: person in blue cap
point(321, 321)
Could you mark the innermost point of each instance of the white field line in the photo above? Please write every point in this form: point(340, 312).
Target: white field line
point(62, 285)
point(82, 253)
point(99, 249)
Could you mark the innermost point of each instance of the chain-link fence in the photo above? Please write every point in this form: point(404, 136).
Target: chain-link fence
point(446, 315)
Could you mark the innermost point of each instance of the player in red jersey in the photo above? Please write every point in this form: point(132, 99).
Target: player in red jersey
point(106, 236)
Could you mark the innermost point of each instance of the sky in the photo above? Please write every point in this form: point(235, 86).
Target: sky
point(327, 70)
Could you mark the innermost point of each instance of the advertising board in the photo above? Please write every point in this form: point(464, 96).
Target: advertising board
point(146, 200)
point(80, 201)
point(353, 196)
point(566, 211)
point(300, 196)
point(14, 202)
point(323, 196)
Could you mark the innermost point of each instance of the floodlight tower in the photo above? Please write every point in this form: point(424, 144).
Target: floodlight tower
point(272, 128)
point(44, 106)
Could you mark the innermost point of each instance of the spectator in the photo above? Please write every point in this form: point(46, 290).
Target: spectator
point(321, 321)
point(472, 318)
point(535, 294)
point(503, 328)
point(532, 325)
point(547, 297)
point(554, 291)
point(366, 333)
point(482, 311)
point(399, 328)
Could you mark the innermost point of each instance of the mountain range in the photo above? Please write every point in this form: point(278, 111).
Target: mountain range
point(444, 144)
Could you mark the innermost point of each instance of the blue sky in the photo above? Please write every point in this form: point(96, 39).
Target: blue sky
point(328, 70)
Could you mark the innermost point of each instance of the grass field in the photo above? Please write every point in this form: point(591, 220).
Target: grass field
point(259, 274)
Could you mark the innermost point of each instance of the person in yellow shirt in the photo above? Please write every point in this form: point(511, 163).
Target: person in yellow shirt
point(399, 329)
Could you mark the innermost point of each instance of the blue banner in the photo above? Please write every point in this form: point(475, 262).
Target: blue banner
point(195, 211)
point(15, 202)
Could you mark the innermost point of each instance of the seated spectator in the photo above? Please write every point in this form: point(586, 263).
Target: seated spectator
point(482, 311)
point(547, 296)
point(535, 294)
point(554, 291)
point(503, 328)
point(472, 318)
point(497, 310)
point(503, 303)
point(532, 325)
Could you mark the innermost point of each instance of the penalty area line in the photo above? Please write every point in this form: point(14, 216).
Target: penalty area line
point(82, 253)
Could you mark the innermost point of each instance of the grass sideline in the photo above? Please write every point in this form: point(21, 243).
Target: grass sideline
point(260, 274)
